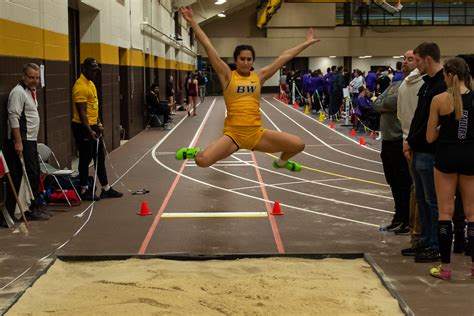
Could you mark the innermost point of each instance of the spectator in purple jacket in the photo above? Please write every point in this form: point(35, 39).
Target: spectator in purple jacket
point(368, 114)
point(371, 81)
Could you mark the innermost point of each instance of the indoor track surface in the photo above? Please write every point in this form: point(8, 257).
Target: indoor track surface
point(334, 205)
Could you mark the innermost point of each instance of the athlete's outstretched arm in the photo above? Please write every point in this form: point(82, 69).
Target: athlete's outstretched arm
point(221, 68)
point(270, 70)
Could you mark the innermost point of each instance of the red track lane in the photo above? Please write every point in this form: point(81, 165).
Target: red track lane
point(271, 218)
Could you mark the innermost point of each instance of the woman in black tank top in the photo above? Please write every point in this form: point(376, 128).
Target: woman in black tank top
point(451, 124)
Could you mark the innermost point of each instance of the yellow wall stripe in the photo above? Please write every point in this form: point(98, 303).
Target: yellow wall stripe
point(21, 40)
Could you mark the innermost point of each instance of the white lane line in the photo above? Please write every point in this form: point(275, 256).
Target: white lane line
point(320, 158)
point(258, 186)
point(334, 130)
point(213, 214)
point(221, 165)
point(324, 184)
point(307, 194)
point(224, 162)
point(319, 139)
point(161, 153)
point(243, 152)
point(321, 145)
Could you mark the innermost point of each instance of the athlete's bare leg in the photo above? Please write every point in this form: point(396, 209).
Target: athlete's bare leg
point(273, 141)
point(222, 148)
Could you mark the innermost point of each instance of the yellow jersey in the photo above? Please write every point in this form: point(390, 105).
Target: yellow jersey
point(84, 91)
point(242, 99)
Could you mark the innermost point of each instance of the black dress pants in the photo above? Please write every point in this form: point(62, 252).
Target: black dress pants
point(30, 156)
point(87, 152)
point(396, 172)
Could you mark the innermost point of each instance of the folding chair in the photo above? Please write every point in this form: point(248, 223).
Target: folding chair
point(154, 120)
point(44, 155)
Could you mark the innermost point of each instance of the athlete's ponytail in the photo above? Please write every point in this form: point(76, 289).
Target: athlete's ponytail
point(458, 68)
point(457, 98)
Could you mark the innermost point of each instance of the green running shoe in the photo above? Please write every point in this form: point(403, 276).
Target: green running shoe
point(290, 165)
point(187, 153)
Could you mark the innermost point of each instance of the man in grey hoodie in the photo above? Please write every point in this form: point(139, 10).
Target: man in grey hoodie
point(395, 165)
point(406, 105)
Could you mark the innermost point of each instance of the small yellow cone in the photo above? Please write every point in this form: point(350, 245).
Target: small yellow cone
point(321, 116)
point(306, 110)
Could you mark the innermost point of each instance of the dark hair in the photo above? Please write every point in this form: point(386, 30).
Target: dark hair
point(460, 71)
point(153, 86)
point(241, 48)
point(362, 89)
point(430, 49)
point(398, 66)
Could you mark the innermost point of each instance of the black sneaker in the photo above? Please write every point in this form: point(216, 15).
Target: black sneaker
point(394, 226)
point(88, 196)
point(111, 193)
point(402, 230)
point(36, 216)
point(409, 251)
point(429, 255)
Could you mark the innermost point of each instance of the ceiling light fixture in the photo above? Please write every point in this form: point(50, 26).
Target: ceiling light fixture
point(219, 2)
point(221, 14)
point(332, 56)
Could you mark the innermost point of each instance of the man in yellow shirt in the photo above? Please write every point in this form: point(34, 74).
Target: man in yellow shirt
point(87, 130)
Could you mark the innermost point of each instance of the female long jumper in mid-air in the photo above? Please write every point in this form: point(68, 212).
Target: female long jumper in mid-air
point(243, 124)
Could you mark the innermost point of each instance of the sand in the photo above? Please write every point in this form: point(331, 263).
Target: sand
point(270, 286)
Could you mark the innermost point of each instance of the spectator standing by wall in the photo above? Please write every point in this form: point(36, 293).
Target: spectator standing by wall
point(87, 130)
point(23, 129)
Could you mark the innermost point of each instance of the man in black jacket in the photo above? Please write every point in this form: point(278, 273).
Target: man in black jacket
point(421, 153)
point(156, 106)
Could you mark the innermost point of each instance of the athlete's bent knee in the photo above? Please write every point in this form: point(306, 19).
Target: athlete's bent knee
point(202, 161)
point(300, 145)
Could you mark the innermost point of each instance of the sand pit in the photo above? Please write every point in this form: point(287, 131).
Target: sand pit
point(270, 286)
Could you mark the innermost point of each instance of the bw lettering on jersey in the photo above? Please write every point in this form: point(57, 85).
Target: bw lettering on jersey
point(242, 99)
point(244, 89)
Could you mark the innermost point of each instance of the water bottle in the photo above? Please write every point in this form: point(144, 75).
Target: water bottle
point(383, 233)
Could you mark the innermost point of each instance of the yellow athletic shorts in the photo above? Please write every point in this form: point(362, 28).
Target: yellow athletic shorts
point(245, 137)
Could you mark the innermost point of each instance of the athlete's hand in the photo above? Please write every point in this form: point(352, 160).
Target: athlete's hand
point(310, 39)
point(187, 13)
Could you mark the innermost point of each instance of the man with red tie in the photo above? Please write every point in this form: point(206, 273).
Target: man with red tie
point(23, 128)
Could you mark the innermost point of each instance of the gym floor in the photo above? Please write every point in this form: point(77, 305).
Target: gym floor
point(334, 205)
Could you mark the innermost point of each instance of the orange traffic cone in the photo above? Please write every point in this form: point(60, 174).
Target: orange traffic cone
point(353, 132)
point(286, 101)
point(331, 125)
point(144, 210)
point(276, 209)
point(362, 141)
point(295, 105)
